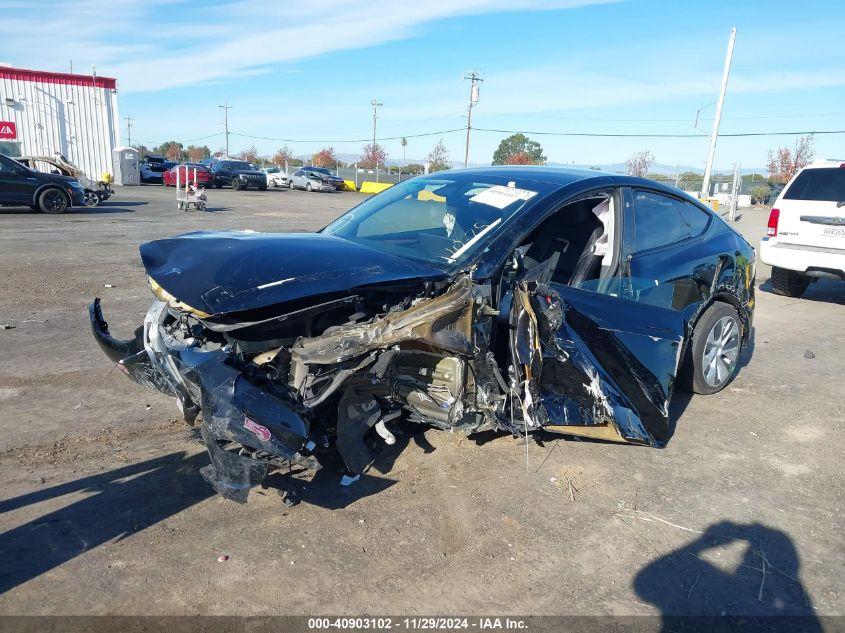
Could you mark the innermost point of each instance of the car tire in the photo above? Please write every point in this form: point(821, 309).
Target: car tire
point(53, 200)
point(308, 187)
point(788, 283)
point(236, 184)
point(713, 358)
point(290, 185)
point(91, 199)
point(218, 183)
point(262, 187)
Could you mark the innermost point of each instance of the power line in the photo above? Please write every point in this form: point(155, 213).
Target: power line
point(356, 140)
point(503, 131)
point(656, 135)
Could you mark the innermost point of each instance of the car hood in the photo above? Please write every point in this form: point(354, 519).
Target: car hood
point(233, 271)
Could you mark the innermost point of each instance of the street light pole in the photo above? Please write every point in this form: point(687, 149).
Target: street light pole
point(375, 103)
point(714, 135)
point(475, 79)
point(128, 130)
point(226, 107)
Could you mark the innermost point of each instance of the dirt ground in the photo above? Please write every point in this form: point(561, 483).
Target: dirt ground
point(103, 510)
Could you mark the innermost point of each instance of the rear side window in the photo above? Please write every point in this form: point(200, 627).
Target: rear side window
point(826, 184)
point(696, 218)
point(658, 220)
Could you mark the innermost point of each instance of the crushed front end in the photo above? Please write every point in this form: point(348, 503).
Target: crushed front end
point(276, 388)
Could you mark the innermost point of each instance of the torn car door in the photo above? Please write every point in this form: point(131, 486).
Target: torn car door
point(605, 366)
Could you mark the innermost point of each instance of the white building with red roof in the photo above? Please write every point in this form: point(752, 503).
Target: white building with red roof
point(42, 113)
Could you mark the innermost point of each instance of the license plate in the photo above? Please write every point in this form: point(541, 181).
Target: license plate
point(834, 231)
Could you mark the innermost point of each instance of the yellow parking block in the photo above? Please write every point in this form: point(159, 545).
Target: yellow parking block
point(374, 187)
point(350, 185)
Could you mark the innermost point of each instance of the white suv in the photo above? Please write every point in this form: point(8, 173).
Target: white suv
point(805, 239)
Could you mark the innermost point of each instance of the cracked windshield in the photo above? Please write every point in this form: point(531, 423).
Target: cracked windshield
point(437, 220)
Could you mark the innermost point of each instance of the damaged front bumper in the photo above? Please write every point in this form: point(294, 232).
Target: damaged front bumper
point(246, 429)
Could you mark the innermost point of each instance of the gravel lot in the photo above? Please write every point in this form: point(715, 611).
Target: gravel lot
point(103, 509)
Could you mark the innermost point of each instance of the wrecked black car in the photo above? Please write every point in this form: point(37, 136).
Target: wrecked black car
point(512, 299)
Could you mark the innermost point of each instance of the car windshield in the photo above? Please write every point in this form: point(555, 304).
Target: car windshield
point(440, 219)
point(236, 164)
point(321, 170)
point(824, 184)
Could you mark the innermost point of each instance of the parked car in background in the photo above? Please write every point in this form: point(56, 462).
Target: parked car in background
point(276, 177)
point(204, 175)
point(238, 174)
point(95, 191)
point(516, 299)
point(21, 186)
point(805, 238)
point(315, 179)
point(152, 168)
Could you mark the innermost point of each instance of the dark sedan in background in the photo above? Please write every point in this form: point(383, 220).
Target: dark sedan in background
point(513, 299)
point(238, 174)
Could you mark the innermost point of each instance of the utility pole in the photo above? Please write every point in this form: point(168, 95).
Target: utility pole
point(226, 107)
point(375, 103)
point(475, 79)
point(714, 135)
point(129, 120)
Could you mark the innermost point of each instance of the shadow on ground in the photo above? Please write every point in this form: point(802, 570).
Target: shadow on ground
point(117, 504)
point(827, 290)
point(748, 570)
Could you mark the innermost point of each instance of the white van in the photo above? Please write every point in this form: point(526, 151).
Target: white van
point(805, 239)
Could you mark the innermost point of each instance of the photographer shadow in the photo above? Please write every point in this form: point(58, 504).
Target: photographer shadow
point(743, 571)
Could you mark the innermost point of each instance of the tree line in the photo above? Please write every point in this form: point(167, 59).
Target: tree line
point(781, 165)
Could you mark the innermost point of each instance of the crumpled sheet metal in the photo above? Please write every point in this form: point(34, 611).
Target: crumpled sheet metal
point(438, 321)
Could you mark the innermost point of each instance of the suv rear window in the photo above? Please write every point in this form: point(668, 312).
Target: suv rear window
point(827, 183)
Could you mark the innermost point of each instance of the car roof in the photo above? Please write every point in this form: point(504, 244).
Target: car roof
point(564, 176)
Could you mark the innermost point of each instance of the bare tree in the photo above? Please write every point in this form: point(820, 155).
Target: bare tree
point(639, 163)
point(250, 154)
point(438, 159)
point(784, 162)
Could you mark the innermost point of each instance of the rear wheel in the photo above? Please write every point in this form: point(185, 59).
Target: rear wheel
point(714, 355)
point(788, 283)
point(53, 201)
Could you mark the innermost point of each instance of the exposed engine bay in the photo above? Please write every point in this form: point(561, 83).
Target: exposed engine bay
point(269, 391)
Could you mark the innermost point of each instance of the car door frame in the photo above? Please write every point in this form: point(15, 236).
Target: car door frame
point(19, 182)
point(621, 397)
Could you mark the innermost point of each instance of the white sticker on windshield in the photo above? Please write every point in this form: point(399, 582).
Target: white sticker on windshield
point(449, 223)
point(500, 197)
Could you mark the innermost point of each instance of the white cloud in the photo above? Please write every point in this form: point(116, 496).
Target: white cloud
point(152, 45)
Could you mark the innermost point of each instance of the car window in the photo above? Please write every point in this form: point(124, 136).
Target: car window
point(658, 220)
point(439, 219)
point(697, 219)
point(6, 165)
point(298, 173)
point(824, 184)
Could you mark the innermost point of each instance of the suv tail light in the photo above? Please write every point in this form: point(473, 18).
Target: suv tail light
point(772, 229)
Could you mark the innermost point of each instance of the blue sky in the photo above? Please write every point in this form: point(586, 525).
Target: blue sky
point(308, 71)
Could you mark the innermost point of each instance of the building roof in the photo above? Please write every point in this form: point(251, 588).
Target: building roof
point(70, 79)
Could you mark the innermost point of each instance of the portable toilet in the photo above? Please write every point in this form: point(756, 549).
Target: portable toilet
point(125, 166)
